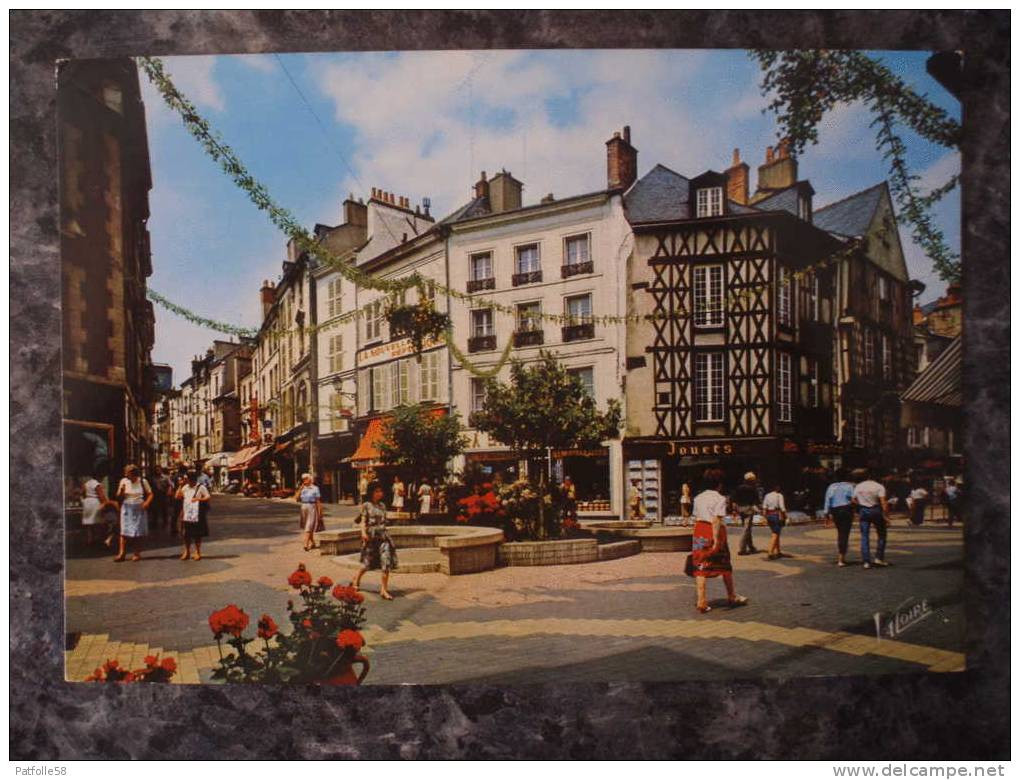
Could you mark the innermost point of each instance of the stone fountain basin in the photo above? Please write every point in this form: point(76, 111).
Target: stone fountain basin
point(653, 538)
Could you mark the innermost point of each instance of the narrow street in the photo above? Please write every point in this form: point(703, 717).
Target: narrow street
point(628, 619)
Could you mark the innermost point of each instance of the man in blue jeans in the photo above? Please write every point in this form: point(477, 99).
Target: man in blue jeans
point(872, 509)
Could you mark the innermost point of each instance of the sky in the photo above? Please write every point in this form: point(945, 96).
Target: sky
point(314, 128)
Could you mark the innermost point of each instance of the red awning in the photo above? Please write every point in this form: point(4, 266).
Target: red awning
point(368, 453)
point(247, 457)
point(368, 447)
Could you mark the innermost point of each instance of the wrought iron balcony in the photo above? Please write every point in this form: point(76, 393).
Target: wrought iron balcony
point(529, 338)
point(481, 343)
point(528, 277)
point(584, 330)
point(474, 285)
point(576, 269)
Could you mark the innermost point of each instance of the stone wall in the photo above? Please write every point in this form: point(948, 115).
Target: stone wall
point(548, 553)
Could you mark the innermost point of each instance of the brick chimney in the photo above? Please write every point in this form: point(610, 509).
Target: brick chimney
point(355, 212)
point(268, 295)
point(778, 172)
point(482, 187)
point(504, 192)
point(737, 180)
point(621, 161)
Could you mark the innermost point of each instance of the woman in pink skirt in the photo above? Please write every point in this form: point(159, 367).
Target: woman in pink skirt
point(710, 556)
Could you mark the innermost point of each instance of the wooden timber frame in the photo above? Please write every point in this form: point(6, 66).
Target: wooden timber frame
point(753, 251)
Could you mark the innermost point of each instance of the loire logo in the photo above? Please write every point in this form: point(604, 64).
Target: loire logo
point(909, 613)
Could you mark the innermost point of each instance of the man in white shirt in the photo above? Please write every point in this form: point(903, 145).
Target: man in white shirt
point(774, 507)
point(872, 509)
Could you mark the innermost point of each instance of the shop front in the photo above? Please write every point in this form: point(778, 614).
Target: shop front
point(335, 474)
point(590, 472)
point(499, 466)
point(658, 469)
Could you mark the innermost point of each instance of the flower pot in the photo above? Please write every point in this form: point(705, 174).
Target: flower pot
point(347, 675)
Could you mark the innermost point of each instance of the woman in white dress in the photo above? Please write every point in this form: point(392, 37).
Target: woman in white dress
point(92, 502)
point(398, 495)
point(425, 497)
point(135, 495)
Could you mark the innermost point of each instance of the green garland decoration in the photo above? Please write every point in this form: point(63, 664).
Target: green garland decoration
point(221, 153)
point(470, 367)
point(205, 322)
point(805, 84)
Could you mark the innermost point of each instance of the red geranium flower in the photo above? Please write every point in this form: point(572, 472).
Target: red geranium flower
point(325, 582)
point(350, 638)
point(267, 627)
point(347, 593)
point(229, 620)
point(300, 577)
point(169, 665)
point(306, 623)
point(151, 660)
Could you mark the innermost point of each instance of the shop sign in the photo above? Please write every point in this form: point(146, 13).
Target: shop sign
point(395, 349)
point(599, 453)
point(683, 448)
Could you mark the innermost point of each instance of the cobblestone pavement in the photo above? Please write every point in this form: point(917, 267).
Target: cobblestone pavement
point(623, 620)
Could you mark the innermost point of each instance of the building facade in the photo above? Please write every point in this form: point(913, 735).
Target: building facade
point(108, 324)
point(730, 364)
point(875, 353)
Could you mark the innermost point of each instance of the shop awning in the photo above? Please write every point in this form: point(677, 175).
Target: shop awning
point(246, 458)
point(367, 454)
point(219, 458)
point(941, 383)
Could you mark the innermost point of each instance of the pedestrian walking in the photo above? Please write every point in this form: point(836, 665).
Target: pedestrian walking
point(194, 524)
point(398, 495)
point(918, 503)
point(310, 499)
point(710, 556)
point(774, 506)
point(872, 510)
point(745, 497)
point(839, 509)
point(205, 479)
point(162, 498)
point(953, 500)
point(377, 549)
point(135, 496)
point(93, 501)
point(425, 497)
point(362, 487)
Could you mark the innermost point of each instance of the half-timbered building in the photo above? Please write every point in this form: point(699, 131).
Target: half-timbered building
point(729, 357)
point(876, 358)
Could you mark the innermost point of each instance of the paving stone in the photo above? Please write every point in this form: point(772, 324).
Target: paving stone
point(630, 618)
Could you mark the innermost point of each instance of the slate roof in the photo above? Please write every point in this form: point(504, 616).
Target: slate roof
point(662, 195)
point(942, 381)
point(851, 216)
point(784, 200)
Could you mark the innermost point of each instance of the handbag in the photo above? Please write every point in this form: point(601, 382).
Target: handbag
point(689, 565)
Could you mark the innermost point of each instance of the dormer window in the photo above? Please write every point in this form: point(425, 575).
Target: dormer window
point(710, 202)
point(804, 207)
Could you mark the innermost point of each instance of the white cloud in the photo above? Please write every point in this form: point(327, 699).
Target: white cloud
point(426, 123)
